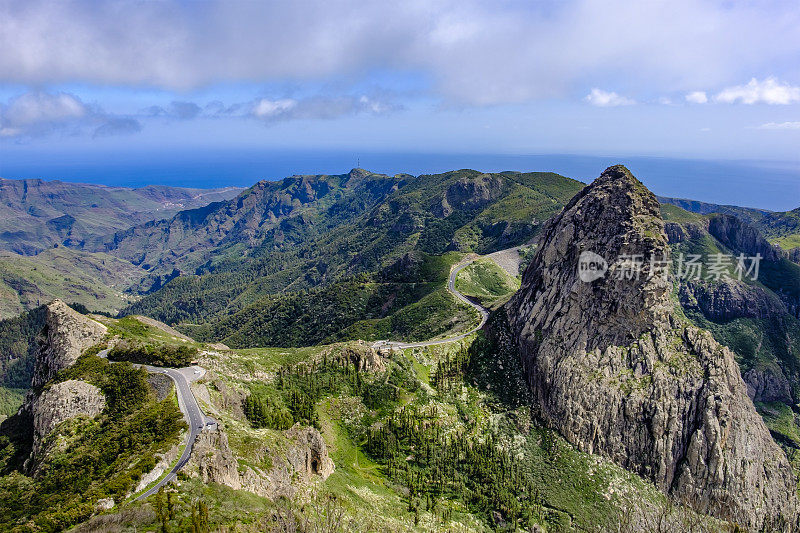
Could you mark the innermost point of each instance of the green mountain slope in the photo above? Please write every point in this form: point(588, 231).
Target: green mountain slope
point(311, 231)
point(95, 280)
point(781, 228)
point(758, 319)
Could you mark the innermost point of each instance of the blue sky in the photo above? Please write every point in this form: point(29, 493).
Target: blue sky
point(679, 79)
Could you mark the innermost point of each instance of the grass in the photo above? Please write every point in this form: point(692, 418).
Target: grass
point(437, 315)
point(780, 419)
point(787, 242)
point(133, 329)
point(95, 280)
point(485, 281)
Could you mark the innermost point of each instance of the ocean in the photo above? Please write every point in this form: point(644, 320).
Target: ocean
point(762, 184)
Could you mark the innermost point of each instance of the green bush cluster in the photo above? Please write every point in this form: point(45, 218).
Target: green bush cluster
point(433, 465)
point(169, 355)
point(264, 412)
point(103, 457)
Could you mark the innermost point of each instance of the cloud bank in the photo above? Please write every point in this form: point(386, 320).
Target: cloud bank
point(38, 113)
point(780, 126)
point(467, 51)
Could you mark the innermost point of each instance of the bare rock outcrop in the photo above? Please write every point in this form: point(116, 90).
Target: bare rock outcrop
point(768, 384)
point(66, 335)
point(469, 193)
point(734, 233)
point(56, 404)
point(614, 369)
point(728, 299)
point(363, 357)
point(303, 460)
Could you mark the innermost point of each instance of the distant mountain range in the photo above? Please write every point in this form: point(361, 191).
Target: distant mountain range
point(38, 214)
point(779, 227)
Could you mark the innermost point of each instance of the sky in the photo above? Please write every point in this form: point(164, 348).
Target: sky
point(87, 86)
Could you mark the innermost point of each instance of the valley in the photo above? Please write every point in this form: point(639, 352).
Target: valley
point(364, 351)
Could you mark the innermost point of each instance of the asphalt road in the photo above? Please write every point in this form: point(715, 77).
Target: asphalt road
point(188, 405)
point(451, 286)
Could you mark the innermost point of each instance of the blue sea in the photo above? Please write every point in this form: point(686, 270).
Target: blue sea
point(761, 184)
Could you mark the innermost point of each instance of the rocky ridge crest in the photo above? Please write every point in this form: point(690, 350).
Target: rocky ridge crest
point(66, 335)
point(614, 368)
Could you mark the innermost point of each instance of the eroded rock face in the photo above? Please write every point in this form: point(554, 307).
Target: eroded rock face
point(470, 193)
point(612, 367)
point(363, 357)
point(768, 384)
point(66, 335)
point(729, 299)
point(58, 403)
point(734, 233)
point(303, 461)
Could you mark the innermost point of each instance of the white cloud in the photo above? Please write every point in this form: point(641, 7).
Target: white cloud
point(601, 98)
point(466, 51)
point(269, 110)
point(697, 97)
point(266, 109)
point(780, 126)
point(769, 91)
point(40, 113)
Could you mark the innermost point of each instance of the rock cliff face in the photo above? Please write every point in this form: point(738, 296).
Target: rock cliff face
point(729, 299)
point(470, 193)
point(616, 371)
point(733, 233)
point(60, 402)
point(66, 334)
point(303, 460)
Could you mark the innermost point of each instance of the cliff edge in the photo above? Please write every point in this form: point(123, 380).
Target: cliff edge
point(615, 368)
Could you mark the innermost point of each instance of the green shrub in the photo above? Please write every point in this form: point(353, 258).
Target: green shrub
point(168, 355)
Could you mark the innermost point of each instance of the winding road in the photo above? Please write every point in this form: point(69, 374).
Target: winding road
point(197, 420)
point(451, 286)
point(189, 407)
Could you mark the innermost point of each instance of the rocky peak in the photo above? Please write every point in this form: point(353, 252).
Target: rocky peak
point(65, 336)
point(618, 373)
point(56, 404)
point(615, 217)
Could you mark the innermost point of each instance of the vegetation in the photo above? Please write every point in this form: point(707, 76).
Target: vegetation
point(17, 347)
point(407, 300)
point(99, 458)
point(351, 225)
point(780, 228)
point(170, 355)
point(447, 428)
point(94, 280)
point(485, 281)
